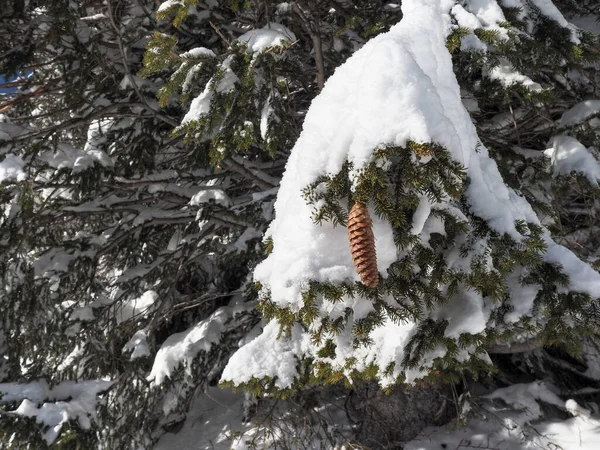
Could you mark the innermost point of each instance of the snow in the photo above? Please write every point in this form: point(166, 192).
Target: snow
point(550, 10)
point(181, 348)
point(472, 306)
point(579, 113)
point(588, 23)
point(78, 160)
point(56, 260)
point(266, 112)
point(421, 214)
point(213, 418)
point(568, 155)
point(512, 419)
point(92, 152)
point(487, 11)
point(507, 419)
point(508, 76)
point(200, 106)
point(268, 356)
point(53, 407)
point(11, 168)
point(137, 345)
point(399, 86)
point(136, 308)
point(273, 35)
point(521, 296)
point(197, 52)
point(465, 18)
point(169, 4)
point(219, 196)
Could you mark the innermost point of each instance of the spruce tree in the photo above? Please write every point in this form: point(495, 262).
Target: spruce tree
point(177, 180)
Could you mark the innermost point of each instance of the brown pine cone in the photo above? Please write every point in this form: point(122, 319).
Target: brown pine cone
point(362, 244)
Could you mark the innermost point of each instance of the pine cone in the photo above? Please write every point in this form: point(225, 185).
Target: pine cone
point(362, 244)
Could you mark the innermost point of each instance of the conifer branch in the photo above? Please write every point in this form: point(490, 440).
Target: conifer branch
point(507, 348)
point(252, 173)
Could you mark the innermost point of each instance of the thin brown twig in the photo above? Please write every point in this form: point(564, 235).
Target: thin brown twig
point(314, 34)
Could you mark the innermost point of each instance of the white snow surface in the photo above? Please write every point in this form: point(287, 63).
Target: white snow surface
point(11, 168)
point(136, 308)
point(137, 345)
point(213, 417)
point(198, 52)
point(273, 35)
point(400, 86)
point(569, 155)
point(549, 9)
point(181, 348)
point(207, 194)
point(513, 420)
point(587, 23)
point(509, 76)
point(67, 156)
point(579, 113)
point(268, 356)
point(200, 106)
point(168, 4)
point(53, 407)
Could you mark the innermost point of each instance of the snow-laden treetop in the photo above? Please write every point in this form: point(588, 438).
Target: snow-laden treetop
point(399, 87)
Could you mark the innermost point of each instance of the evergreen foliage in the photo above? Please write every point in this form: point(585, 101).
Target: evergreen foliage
point(141, 157)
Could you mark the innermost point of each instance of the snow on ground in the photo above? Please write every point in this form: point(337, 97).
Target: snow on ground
point(512, 419)
point(589, 23)
point(507, 419)
point(210, 422)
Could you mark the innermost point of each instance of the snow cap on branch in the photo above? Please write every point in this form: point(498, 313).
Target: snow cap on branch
point(399, 88)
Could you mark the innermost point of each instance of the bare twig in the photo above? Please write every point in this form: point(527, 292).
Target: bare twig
point(221, 35)
point(313, 32)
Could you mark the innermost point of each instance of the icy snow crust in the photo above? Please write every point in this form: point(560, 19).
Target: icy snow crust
point(400, 86)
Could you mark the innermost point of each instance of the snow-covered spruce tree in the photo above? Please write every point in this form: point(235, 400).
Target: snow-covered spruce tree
point(130, 230)
point(126, 248)
point(119, 241)
point(466, 260)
